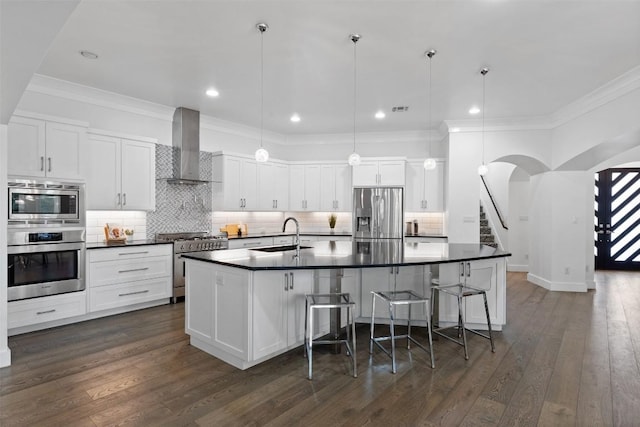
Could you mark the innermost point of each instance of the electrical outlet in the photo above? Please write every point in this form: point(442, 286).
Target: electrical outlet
point(566, 270)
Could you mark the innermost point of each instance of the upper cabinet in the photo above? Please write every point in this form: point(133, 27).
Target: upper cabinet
point(335, 192)
point(379, 173)
point(273, 186)
point(120, 174)
point(39, 148)
point(425, 188)
point(235, 183)
point(304, 187)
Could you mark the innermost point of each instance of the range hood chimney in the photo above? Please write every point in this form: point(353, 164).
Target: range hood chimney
point(186, 147)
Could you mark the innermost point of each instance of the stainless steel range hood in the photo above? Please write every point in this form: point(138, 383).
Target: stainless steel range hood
point(186, 147)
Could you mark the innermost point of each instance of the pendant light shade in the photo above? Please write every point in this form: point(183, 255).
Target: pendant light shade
point(354, 158)
point(262, 155)
point(483, 169)
point(429, 162)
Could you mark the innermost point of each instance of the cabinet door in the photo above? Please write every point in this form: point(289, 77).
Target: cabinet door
point(103, 173)
point(138, 160)
point(231, 184)
point(266, 187)
point(282, 187)
point(26, 147)
point(434, 188)
point(391, 172)
point(344, 196)
point(296, 188)
point(65, 145)
point(269, 312)
point(328, 188)
point(365, 174)
point(249, 186)
point(414, 190)
point(312, 186)
point(300, 284)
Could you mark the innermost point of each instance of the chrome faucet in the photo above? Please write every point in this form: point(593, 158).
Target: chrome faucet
point(297, 232)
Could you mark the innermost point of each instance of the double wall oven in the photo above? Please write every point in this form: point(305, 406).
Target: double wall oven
point(45, 238)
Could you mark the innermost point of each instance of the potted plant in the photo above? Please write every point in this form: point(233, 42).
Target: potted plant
point(332, 221)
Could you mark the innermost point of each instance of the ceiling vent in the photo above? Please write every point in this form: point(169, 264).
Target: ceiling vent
point(400, 109)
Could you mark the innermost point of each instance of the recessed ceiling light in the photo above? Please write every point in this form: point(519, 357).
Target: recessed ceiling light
point(474, 110)
point(295, 118)
point(380, 115)
point(212, 92)
point(88, 55)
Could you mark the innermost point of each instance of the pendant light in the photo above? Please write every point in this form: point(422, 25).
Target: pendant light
point(483, 169)
point(430, 162)
point(354, 158)
point(262, 155)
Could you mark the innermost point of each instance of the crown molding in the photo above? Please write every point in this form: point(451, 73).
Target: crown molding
point(499, 125)
point(362, 138)
point(606, 93)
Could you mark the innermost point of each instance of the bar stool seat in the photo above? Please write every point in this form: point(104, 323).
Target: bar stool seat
point(394, 299)
point(460, 291)
point(316, 302)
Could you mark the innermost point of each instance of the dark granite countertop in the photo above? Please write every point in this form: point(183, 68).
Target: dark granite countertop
point(342, 254)
point(141, 242)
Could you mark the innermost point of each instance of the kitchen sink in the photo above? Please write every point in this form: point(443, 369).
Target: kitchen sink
point(279, 248)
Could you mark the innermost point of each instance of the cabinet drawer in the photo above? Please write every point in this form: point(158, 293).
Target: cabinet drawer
point(105, 297)
point(46, 309)
point(129, 252)
point(250, 242)
point(116, 272)
point(284, 240)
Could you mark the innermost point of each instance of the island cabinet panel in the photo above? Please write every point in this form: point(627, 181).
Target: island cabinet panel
point(486, 274)
point(414, 278)
point(217, 307)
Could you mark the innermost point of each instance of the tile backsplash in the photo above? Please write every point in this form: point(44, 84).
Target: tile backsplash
point(96, 220)
point(268, 222)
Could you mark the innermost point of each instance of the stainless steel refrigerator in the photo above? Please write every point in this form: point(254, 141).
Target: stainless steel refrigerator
point(378, 213)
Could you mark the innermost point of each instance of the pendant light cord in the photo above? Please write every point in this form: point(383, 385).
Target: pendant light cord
point(484, 74)
point(355, 65)
point(261, 85)
point(430, 123)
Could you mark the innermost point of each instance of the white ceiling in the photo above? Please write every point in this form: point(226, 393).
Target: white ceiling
point(543, 55)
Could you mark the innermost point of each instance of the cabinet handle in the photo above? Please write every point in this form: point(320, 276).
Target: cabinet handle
point(291, 282)
point(124, 199)
point(468, 269)
point(41, 163)
point(133, 293)
point(286, 281)
point(49, 159)
point(248, 244)
point(45, 312)
point(276, 204)
point(461, 269)
point(119, 200)
point(133, 253)
point(133, 269)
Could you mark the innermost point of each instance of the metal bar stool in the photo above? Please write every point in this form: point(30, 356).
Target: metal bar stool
point(393, 299)
point(329, 301)
point(477, 284)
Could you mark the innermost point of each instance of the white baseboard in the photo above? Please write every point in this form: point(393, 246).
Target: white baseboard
point(523, 268)
point(557, 286)
point(5, 357)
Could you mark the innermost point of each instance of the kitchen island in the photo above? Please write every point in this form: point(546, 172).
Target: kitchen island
point(246, 306)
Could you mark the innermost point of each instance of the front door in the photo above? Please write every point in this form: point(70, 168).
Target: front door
point(617, 219)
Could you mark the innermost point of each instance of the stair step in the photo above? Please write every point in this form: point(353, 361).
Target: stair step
point(487, 238)
point(485, 229)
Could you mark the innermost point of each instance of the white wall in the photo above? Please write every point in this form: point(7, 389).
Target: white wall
point(5, 353)
point(518, 222)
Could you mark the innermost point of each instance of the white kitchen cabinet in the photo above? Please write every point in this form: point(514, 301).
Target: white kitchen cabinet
point(250, 242)
point(425, 188)
point(235, 186)
point(335, 194)
point(46, 309)
point(379, 173)
point(273, 186)
point(120, 174)
point(39, 148)
point(304, 187)
point(473, 309)
point(128, 275)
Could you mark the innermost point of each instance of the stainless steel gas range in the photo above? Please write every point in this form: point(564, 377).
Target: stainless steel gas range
point(190, 242)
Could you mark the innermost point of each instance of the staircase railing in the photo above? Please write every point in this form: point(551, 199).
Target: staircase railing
point(493, 202)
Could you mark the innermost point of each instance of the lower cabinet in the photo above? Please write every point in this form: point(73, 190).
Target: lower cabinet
point(487, 274)
point(124, 276)
point(46, 309)
point(250, 242)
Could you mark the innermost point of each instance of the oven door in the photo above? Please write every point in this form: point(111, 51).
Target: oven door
point(31, 203)
point(45, 269)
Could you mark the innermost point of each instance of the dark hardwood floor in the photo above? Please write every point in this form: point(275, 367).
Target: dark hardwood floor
point(563, 359)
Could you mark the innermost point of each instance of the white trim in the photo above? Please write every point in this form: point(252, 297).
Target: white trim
point(48, 118)
point(5, 357)
point(362, 138)
point(556, 286)
point(101, 132)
